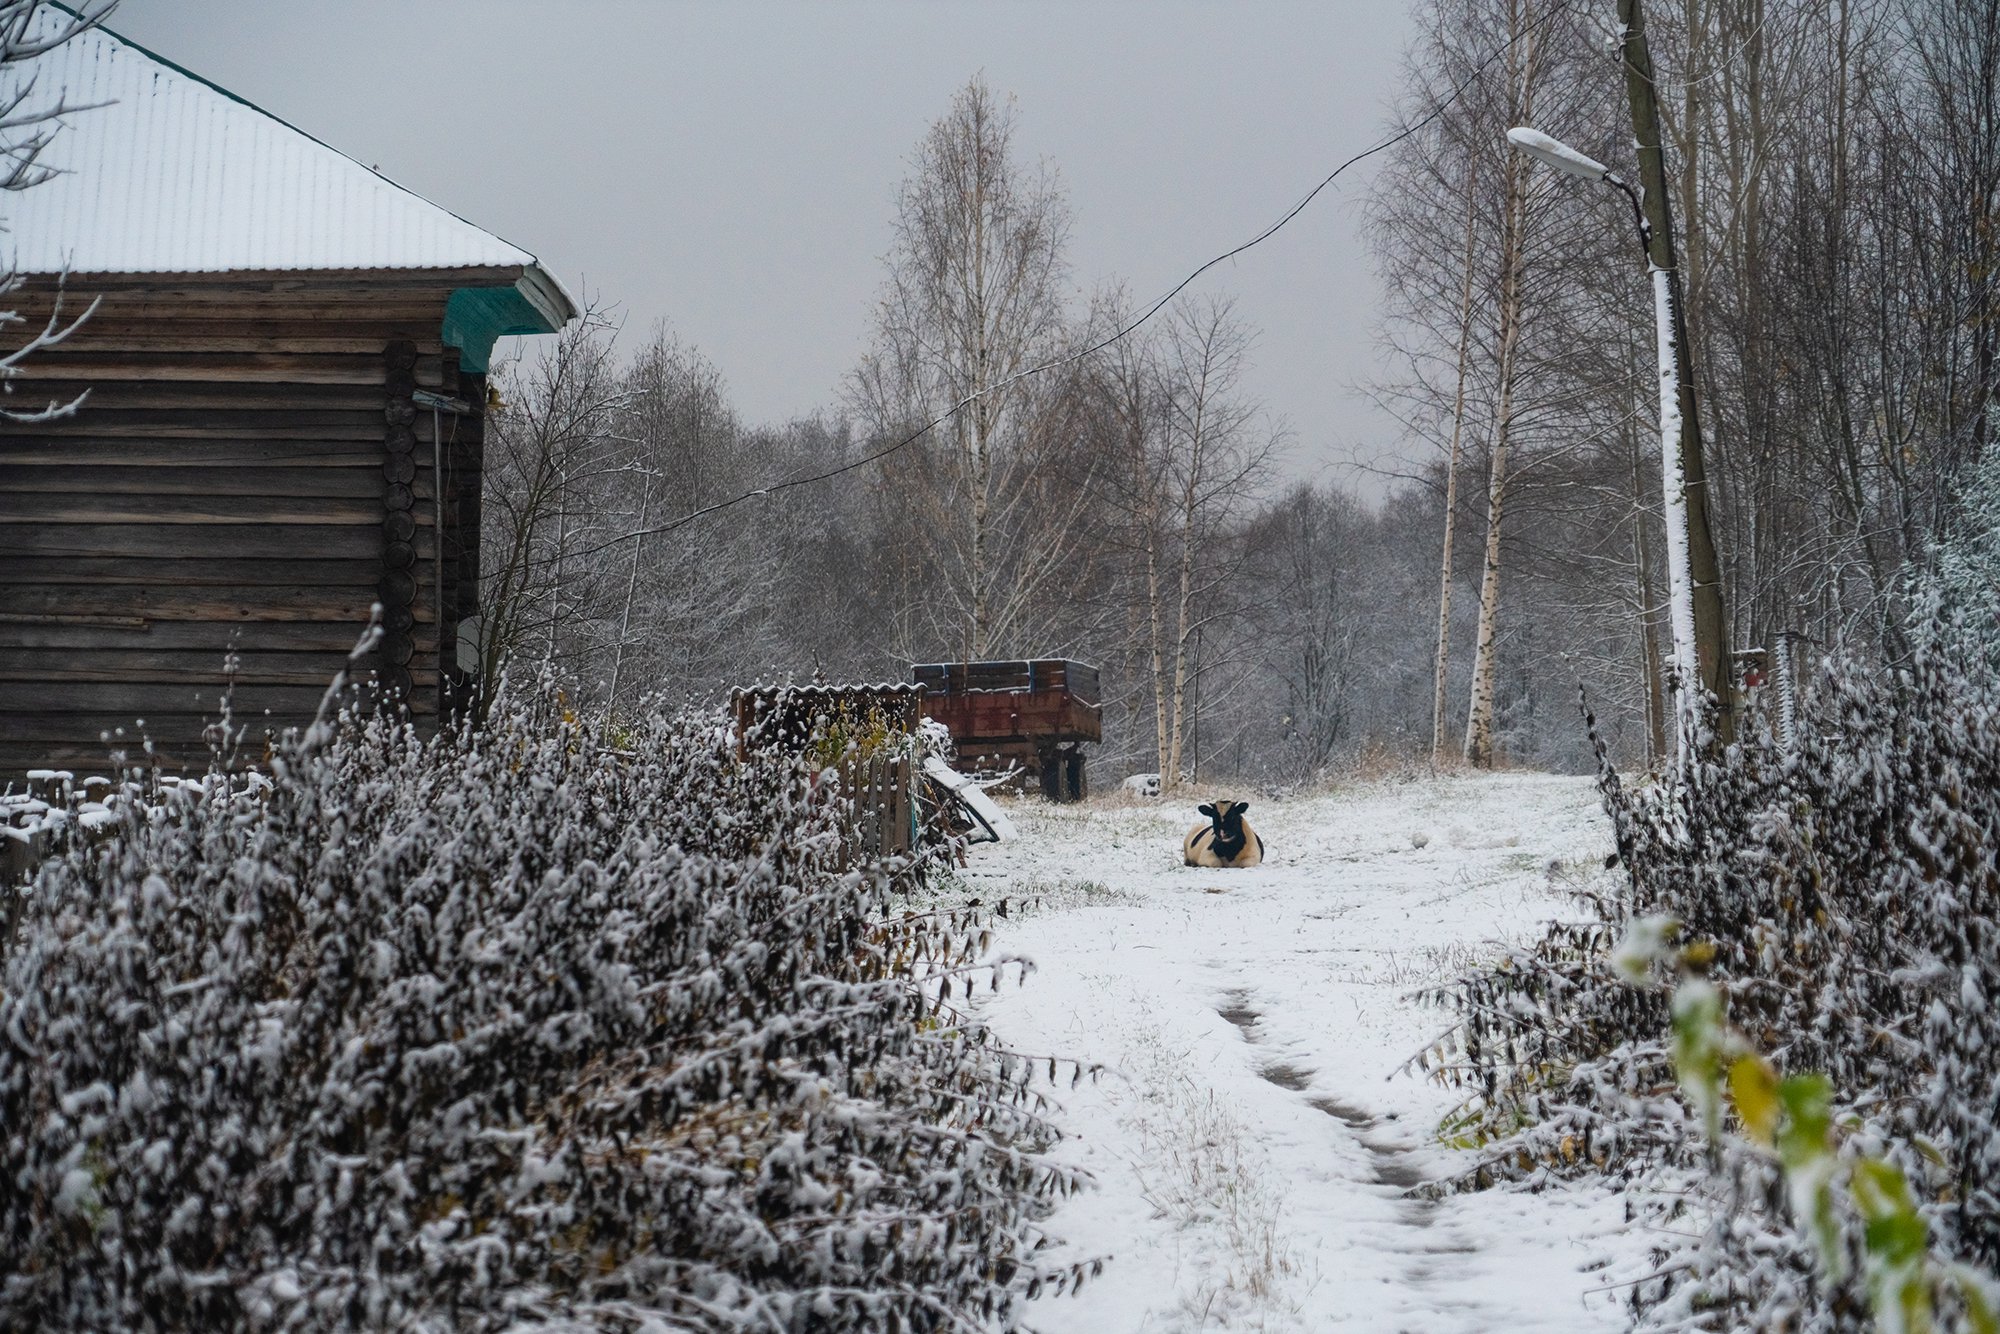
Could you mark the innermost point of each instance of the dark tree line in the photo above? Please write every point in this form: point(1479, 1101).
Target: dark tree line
point(1117, 507)
point(1837, 178)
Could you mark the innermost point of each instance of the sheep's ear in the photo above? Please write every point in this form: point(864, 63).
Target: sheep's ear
point(1207, 810)
point(1242, 806)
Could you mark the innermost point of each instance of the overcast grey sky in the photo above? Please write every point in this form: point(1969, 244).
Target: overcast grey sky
point(730, 168)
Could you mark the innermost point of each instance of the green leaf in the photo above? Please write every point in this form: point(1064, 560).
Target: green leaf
point(1805, 1148)
point(1977, 1292)
point(1808, 1104)
point(1898, 1246)
point(1753, 1087)
point(1895, 1232)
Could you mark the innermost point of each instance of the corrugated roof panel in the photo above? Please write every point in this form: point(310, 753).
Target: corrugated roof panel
point(178, 176)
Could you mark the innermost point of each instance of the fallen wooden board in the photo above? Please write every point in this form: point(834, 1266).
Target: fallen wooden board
point(983, 807)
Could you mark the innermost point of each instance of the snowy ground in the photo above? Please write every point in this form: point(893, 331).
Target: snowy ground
point(1251, 1147)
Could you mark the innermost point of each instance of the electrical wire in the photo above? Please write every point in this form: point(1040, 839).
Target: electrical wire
point(1126, 331)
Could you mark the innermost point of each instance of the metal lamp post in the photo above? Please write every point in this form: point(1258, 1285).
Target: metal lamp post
point(1701, 658)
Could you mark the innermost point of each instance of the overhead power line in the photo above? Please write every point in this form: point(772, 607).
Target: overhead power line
point(1125, 331)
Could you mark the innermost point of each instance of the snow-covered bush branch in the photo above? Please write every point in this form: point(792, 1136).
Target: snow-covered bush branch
point(498, 1031)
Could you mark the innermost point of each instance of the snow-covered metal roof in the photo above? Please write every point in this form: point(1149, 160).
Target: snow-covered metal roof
point(167, 173)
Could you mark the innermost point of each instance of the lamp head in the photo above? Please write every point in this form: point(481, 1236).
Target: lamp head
point(1555, 153)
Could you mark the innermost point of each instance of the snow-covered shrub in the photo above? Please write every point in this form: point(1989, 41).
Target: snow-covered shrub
point(1957, 602)
point(1784, 1127)
point(502, 1030)
point(1844, 898)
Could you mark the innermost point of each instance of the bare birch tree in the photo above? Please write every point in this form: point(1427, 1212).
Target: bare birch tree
point(547, 444)
point(1213, 459)
point(974, 298)
point(1522, 74)
point(697, 610)
point(1442, 670)
point(1314, 623)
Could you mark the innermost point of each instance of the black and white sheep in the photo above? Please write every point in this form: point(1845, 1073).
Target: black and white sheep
point(1226, 840)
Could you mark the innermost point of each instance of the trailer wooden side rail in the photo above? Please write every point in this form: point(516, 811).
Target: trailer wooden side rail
point(1030, 717)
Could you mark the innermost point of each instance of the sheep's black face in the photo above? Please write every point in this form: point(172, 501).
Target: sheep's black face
point(1226, 818)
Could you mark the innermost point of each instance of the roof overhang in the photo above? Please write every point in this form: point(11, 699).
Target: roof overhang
point(475, 318)
point(482, 305)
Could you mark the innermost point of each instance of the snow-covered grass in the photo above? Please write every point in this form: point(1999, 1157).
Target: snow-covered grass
point(1257, 1154)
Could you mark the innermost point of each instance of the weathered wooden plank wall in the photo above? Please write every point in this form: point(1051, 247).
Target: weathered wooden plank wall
point(248, 472)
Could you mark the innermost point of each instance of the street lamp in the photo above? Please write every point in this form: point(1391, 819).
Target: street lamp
point(1676, 378)
point(1555, 153)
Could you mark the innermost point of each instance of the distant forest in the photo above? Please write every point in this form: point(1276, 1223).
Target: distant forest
point(1130, 507)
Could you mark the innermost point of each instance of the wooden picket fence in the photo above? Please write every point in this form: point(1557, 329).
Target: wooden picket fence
point(877, 786)
point(879, 791)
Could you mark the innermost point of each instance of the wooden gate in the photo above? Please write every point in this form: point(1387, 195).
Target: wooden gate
point(863, 734)
point(880, 800)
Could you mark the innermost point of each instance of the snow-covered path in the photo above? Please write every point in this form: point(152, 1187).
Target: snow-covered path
point(1251, 1149)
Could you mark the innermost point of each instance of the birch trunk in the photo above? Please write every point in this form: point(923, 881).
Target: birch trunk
point(1479, 724)
point(1157, 636)
point(1451, 483)
point(1513, 259)
point(1190, 494)
point(980, 316)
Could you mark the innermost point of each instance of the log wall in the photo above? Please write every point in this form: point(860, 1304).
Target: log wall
point(246, 472)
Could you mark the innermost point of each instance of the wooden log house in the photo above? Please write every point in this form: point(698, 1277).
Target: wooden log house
point(282, 418)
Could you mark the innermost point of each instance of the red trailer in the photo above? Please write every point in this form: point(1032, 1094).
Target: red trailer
point(1029, 718)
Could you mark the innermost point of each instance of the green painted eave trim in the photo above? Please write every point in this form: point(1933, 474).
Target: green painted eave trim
point(477, 317)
